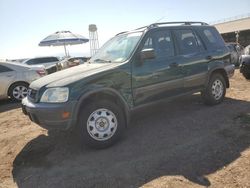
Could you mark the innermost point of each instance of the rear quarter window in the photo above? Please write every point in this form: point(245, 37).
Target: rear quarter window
point(4, 69)
point(211, 37)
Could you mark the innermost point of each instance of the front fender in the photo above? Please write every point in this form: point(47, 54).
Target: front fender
point(103, 92)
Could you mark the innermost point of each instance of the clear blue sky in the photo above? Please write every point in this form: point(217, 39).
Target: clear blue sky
point(24, 23)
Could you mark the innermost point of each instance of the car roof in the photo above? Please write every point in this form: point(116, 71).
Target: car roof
point(40, 58)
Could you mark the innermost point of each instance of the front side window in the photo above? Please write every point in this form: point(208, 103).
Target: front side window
point(117, 49)
point(161, 42)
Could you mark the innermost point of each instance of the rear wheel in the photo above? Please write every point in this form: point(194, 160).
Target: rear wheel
point(215, 90)
point(18, 91)
point(100, 124)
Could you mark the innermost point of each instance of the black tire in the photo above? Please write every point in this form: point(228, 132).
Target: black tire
point(215, 91)
point(109, 110)
point(246, 75)
point(19, 86)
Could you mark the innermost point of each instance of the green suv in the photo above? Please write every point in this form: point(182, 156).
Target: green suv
point(132, 70)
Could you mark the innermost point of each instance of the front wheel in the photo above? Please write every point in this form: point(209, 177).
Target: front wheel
point(100, 124)
point(215, 91)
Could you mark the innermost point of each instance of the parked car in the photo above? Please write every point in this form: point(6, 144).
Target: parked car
point(15, 79)
point(50, 63)
point(72, 61)
point(236, 51)
point(132, 70)
point(245, 63)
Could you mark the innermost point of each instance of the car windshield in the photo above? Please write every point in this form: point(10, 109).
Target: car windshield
point(117, 49)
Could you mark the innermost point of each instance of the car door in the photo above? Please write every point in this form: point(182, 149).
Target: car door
point(193, 58)
point(7, 75)
point(160, 77)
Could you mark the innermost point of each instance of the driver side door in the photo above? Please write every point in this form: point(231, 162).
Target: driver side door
point(160, 77)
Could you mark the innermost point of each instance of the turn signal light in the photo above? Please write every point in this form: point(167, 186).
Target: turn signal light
point(65, 115)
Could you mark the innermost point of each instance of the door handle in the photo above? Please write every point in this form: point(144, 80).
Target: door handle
point(174, 65)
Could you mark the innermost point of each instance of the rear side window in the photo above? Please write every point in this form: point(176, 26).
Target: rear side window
point(4, 69)
point(212, 38)
point(47, 60)
point(52, 59)
point(187, 42)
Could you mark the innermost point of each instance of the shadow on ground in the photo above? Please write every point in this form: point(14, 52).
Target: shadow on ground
point(8, 104)
point(183, 137)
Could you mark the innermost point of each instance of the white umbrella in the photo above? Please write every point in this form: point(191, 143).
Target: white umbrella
point(63, 38)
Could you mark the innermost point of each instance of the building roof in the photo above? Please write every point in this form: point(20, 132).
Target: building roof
point(233, 26)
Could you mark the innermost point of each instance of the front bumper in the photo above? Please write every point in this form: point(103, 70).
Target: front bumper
point(50, 115)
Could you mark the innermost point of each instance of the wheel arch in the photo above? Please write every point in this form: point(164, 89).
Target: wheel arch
point(221, 71)
point(16, 82)
point(104, 93)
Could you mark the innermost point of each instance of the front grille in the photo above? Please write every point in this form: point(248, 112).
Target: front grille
point(32, 93)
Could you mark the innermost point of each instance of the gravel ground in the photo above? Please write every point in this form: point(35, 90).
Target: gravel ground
point(182, 143)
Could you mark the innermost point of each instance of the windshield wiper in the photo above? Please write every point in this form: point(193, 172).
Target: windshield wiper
point(103, 60)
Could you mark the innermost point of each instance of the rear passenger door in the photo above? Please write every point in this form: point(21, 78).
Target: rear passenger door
point(192, 58)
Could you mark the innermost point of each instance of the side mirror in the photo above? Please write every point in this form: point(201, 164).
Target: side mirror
point(147, 54)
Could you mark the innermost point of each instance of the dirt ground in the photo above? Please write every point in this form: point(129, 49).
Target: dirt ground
point(178, 144)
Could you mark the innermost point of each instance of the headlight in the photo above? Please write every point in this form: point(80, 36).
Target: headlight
point(55, 95)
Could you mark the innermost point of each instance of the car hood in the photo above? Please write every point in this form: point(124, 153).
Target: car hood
point(67, 76)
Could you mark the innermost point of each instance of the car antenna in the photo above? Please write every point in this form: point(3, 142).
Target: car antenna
point(158, 20)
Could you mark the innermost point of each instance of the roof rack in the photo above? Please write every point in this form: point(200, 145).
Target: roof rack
point(168, 23)
point(178, 23)
point(172, 23)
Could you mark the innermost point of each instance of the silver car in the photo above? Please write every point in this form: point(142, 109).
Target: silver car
point(15, 79)
point(50, 63)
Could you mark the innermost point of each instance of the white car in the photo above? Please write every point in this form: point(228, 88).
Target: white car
point(50, 63)
point(15, 79)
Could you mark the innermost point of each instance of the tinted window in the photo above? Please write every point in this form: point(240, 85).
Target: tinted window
point(162, 43)
point(212, 38)
point(4, 69)
point(41, 60)
point(52, 59)
point(187, 42)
